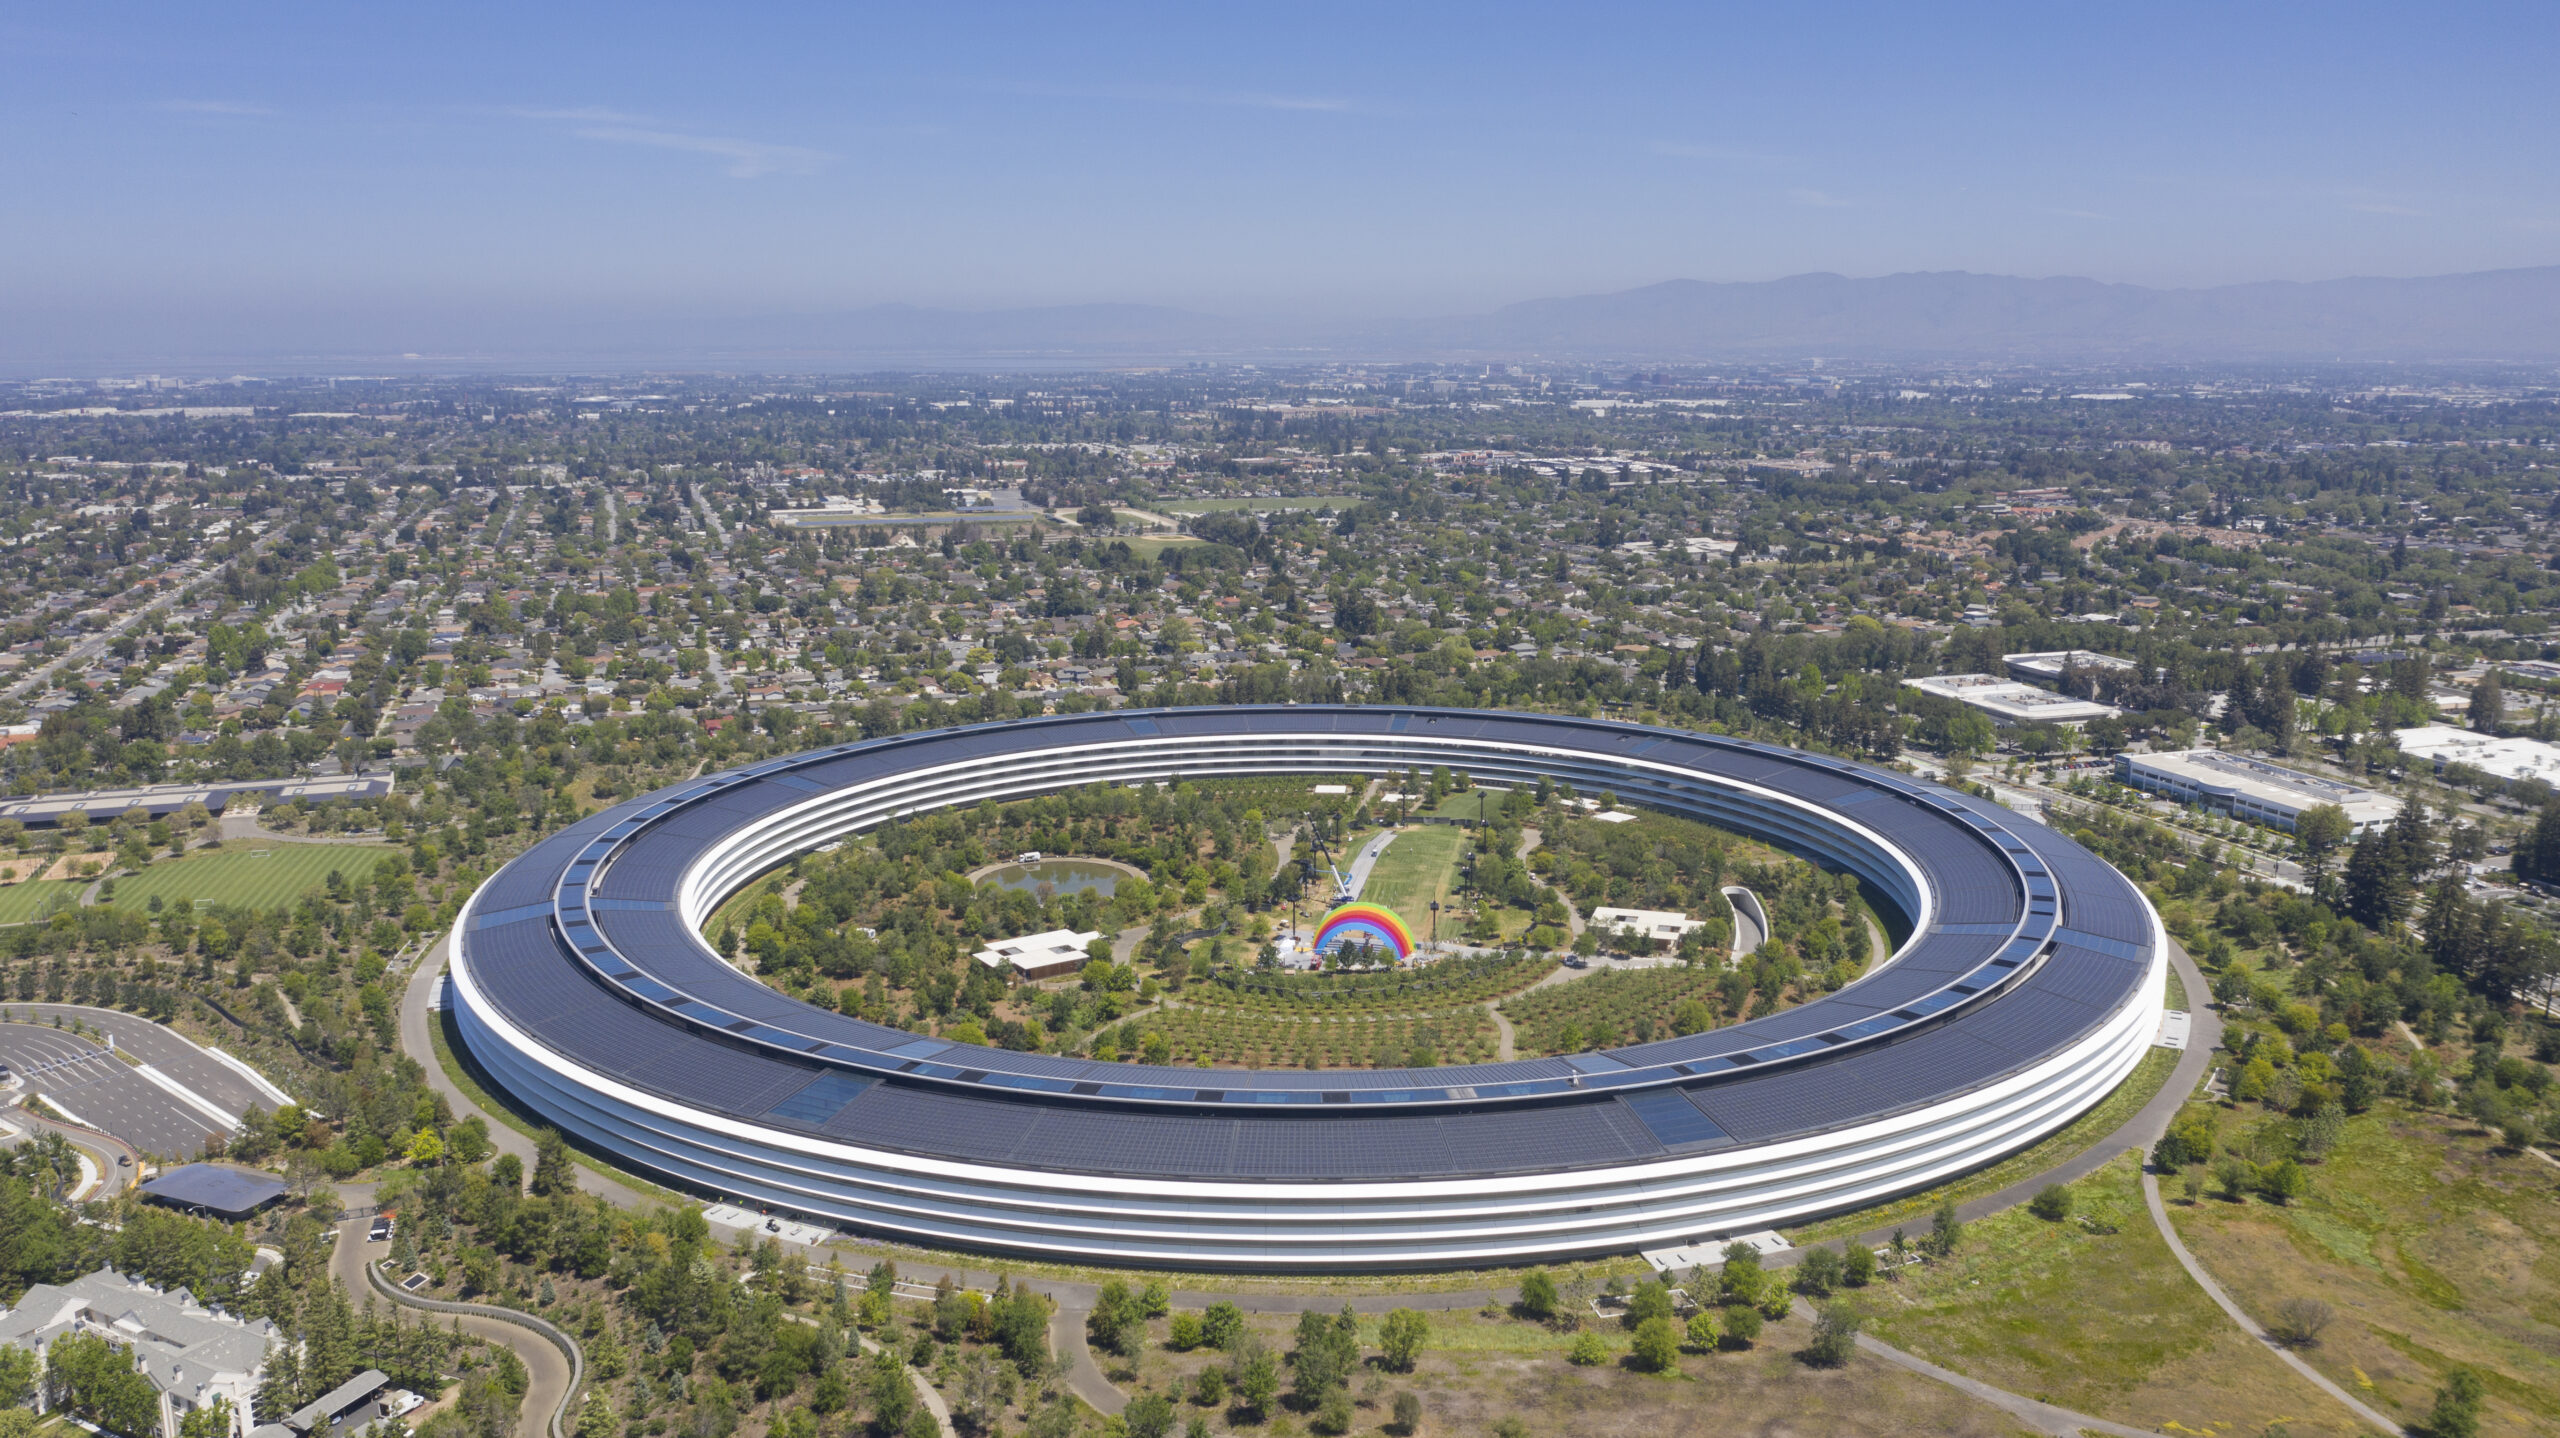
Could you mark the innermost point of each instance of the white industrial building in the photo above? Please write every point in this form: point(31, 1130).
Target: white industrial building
point(2047, 667)
point(1040, 956)
point(1662, 924)
point(191, 1354)
point(2492, 754)
point(2252, 789)
point(2009, 702)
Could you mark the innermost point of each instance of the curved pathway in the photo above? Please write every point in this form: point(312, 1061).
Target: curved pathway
point(1750, 921)
point(2248, 1325)
point(551, 1358)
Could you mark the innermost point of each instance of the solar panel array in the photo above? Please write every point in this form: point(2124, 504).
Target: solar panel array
point(622, 988)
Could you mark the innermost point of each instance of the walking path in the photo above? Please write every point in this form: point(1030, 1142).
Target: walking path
point(2248, 1325)
point(1530, 839)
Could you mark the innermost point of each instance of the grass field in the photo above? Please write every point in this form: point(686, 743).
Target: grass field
point(258, 875)
point(2096, 1316)
point(20, 903)
point(1259, 506)
point(1420, 866)
point(2435, 1248)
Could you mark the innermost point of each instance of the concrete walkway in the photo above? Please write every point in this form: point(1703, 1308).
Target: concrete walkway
point(2248, 1325)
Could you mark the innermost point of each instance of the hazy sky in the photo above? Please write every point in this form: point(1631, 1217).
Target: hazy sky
point(548, 159)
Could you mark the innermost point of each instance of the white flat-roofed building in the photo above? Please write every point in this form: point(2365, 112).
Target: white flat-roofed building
point(1662, 924)
point(1040, 956)
point(2009, 702)
point(2252, 789)
point(2496, 755)
point(2047, 667)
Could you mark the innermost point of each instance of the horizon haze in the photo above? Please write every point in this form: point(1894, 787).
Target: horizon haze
point(273, 187)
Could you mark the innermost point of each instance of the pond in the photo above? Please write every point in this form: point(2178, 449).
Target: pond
point(1057, 878)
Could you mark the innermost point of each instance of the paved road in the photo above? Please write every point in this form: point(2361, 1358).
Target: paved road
point(95, 1088)
point(163, 1049)
point(1367, 859)
point(103, 1151)
point(548, 1367)
point(1750, 921)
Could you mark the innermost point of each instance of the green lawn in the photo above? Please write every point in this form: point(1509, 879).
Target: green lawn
point(20, 903)
point(262, 875)
point(1420, 866)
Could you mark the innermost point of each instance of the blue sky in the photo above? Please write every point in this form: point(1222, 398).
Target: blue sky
point(555, 161)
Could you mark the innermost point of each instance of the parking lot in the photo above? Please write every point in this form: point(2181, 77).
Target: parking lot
point(92, 1086)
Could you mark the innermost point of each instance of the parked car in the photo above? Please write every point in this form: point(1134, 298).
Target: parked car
point(1576, 961)
point(381, 1230)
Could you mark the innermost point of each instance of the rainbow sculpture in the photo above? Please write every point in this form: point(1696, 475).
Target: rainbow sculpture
point(1369, 925)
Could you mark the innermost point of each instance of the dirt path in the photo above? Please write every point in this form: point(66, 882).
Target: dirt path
point(1530, 839)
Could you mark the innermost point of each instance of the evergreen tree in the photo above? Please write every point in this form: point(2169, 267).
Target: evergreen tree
point(2488, 704)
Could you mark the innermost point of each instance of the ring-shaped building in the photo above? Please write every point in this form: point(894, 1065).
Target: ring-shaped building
point(2030, 986)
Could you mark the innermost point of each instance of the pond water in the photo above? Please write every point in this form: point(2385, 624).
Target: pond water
point(1057, 878)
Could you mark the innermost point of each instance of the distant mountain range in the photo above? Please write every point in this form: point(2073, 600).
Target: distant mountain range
point(2496, 315)
point(2493, 315)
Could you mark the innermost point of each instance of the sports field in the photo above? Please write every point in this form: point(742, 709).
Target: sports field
point(246, 872)
point(20, 903)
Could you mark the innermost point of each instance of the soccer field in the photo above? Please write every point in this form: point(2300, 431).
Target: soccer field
point(20, 903)
point(259, 875)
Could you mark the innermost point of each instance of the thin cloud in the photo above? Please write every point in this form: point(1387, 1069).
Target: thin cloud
point(216, 107)
point(1228, 99)
point(2083, 215)
point(747, 159)
point(585, 115)
point(1723, 154)
point(1819, 199)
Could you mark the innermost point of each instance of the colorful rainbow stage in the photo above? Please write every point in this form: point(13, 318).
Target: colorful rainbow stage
point(1373, 925)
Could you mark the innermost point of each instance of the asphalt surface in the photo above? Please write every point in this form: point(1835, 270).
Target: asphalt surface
point(161, 1048)
point(96, 1088)
point(547, 1366)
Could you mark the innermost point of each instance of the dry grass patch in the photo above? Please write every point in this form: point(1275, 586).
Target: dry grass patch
point(2095, 1314)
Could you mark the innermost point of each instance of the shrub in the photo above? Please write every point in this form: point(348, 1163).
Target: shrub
point(1818, 1272)
point(1538, 1294)
point(1858, 1266)
point(1835, 1335)
point(1657, 1345)
point(1589, 1350)
point(2284, 1181)
point(1702, 1329)
point(1741, 1325)
point(2052, 1203)
point(1400, 1338)
point(1408, 1412)
point(1652, 1299)
point(1185, 1334)
point(2298, 1322)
